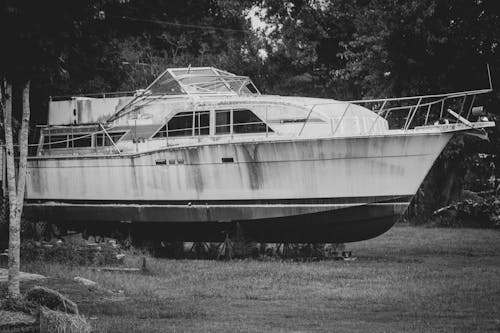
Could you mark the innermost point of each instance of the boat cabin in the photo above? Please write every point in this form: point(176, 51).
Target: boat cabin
point(189, 106)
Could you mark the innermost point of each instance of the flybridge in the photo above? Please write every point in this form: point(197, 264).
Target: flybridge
point(197, 81)
point(172, 83)
point(200, 80)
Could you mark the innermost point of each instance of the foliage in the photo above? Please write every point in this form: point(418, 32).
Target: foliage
point(345, 49)
point(68, 254)
point(18, 305)
point(51, 299)
point(473, 211)
point(55, 321)
point(372, 48)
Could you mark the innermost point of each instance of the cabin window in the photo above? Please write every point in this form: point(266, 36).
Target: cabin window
point(202, 123)
point(222, 121)
point(162, 132)
point(245, 121)
point(101, 139)
point(56, 141)
point(182, 124)
point(116, 136)
point(81, 140)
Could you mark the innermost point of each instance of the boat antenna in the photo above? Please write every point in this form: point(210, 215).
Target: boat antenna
point(489, 75)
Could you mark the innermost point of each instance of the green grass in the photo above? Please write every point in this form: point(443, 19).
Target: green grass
point(410, 279)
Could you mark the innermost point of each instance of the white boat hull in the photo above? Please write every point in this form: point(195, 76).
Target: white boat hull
point(309, 187)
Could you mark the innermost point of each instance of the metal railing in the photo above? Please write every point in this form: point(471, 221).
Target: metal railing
point(412, 111)
point(113, 94)
point(413, 105)
point(46, 142)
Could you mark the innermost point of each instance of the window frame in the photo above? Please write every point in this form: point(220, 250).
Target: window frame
point(195, 128)
point(165, 132)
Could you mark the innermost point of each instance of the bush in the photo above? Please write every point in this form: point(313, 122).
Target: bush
point(51, 299)
point(473, 211)
point(69, 254)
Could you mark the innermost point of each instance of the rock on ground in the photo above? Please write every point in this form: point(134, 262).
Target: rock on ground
point(51, 299)
point(22, 276)
point(85, 282)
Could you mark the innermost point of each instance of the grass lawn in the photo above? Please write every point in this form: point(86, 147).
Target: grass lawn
point(411, 279)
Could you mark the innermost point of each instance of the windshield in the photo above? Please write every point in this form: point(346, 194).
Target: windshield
point(201, 80)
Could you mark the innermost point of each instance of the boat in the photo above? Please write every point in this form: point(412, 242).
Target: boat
point(200, 155)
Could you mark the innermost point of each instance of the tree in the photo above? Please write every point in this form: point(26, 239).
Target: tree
point(15, 187)
point(35, 47)
point(76, 46)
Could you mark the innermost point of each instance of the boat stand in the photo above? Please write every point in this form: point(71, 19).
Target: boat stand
point(226, 248)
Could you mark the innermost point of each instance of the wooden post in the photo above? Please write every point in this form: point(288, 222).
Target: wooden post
point(144, 267)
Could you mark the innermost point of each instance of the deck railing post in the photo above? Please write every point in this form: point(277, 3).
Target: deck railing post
point(50, 138)
point(307, 119)
point(267, 126)
point(71, 142)
point(193, 127)
point(410, 111)
point(463, 104)
point(166, 129)
point(231, 122)
point(410, 119)
point(341, 118)
point(442, 108)
point(470, 108)
point(427, 115)
point(376, 118)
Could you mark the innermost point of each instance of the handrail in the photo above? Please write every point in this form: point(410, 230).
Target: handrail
point(392, 99)
point(413, 108)
point(383, 110)
point(90, 95)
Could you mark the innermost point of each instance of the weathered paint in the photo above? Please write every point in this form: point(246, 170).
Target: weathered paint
point(302, 180)
point(307, 168)
point(81, 110)
point(324, 170)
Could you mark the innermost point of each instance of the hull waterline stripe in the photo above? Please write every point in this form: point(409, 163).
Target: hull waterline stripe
point(226, 203)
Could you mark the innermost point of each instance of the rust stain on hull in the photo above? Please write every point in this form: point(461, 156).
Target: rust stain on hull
point(280, 170)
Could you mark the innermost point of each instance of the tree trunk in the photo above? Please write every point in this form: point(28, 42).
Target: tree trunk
point(23, 150)
point(14, 225)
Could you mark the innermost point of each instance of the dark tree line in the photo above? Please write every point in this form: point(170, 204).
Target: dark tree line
point(343, 49)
